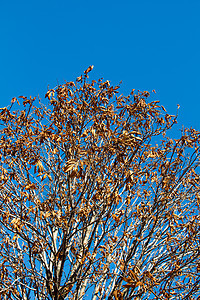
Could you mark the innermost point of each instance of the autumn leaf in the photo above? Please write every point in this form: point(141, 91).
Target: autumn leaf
point(38, 167)
point(129, 279)
point(70, 165)
point(89, 69)
point(129, 285)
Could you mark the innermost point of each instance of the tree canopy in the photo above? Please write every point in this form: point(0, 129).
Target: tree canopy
point(97, 200)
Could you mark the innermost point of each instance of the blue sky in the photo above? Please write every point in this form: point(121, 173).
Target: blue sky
point(148, 44)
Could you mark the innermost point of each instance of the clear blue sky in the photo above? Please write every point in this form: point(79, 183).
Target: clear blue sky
point(150, 44)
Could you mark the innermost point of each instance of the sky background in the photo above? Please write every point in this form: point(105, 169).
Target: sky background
point(149, 44)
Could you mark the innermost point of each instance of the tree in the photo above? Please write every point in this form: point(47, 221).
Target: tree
point(96, 200)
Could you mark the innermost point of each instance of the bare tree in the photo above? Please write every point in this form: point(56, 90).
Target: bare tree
point(96, 200)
